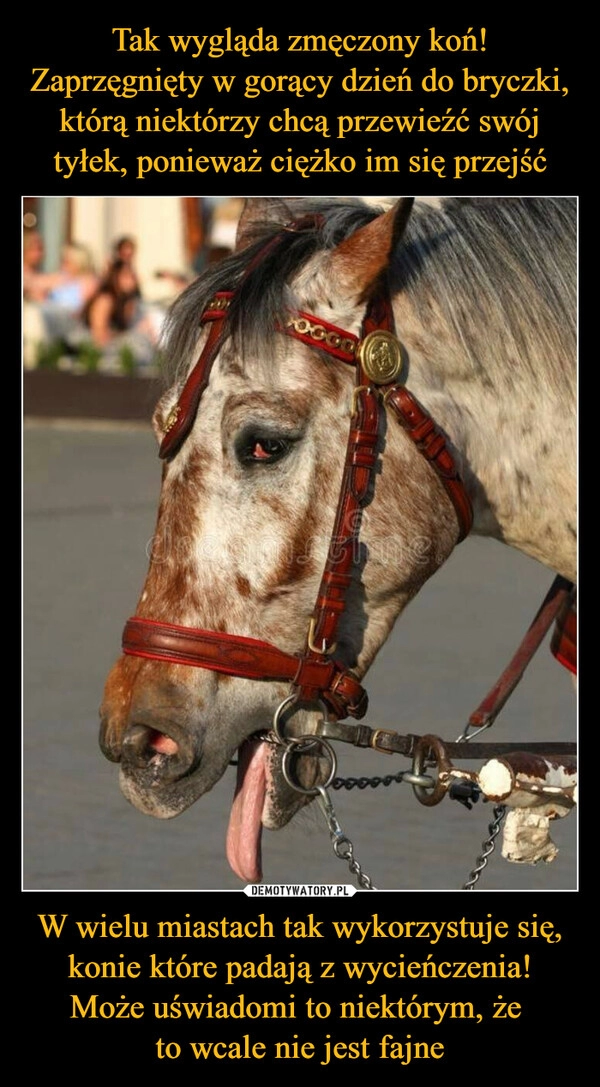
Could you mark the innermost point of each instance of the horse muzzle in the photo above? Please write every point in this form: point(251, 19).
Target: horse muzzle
point(171, 747)
point(156, 732)
point(171, 741)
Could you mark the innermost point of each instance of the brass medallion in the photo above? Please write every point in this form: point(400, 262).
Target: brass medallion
point(381, 356)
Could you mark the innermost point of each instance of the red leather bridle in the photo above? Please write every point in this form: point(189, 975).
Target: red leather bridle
point(377, 356)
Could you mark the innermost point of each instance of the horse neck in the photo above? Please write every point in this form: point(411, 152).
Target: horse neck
point(514, 437)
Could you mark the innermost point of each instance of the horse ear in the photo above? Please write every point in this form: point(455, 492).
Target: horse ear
point(255, 212)
point(362, 257)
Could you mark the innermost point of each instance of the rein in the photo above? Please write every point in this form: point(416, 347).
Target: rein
point(378, 359)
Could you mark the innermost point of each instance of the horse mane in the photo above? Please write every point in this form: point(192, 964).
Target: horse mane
point(500, 274)
point(262, 296)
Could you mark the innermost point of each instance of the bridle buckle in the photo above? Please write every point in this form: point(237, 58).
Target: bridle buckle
point(323, 649)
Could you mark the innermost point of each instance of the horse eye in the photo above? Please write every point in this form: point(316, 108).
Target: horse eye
point(262, 450)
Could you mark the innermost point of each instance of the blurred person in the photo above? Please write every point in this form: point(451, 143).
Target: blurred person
point(58, 296)
point(53, 301)
point(35, 282)
point(75, 282)
point(115, 316)
point(125, 249)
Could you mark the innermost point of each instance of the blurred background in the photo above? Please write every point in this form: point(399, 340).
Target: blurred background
point(100, 272)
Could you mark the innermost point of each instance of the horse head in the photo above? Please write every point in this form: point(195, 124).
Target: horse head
point(254, 437)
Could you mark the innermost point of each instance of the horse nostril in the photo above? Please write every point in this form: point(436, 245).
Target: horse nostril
point(136, 747)
point(157, 754)
point(159, 741)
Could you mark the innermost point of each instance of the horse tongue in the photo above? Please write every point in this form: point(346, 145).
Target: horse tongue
point(245, 822)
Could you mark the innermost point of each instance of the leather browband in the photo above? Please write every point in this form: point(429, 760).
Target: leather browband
point(315, 674)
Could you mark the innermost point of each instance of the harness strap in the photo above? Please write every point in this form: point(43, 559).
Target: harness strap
point(486, 713)
point(181, 417)
point(357, 481)
point(249, 658)
point(387, 742)
point(564, 639)
point(431, 442)
point(323, 335)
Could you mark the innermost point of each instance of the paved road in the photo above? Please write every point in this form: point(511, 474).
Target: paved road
point(90, 502)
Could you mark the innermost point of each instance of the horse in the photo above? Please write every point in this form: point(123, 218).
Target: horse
point(315, 328)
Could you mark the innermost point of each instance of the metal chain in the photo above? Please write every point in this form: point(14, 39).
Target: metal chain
point(488, 848)
point(341, 844)
point(364, 782)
